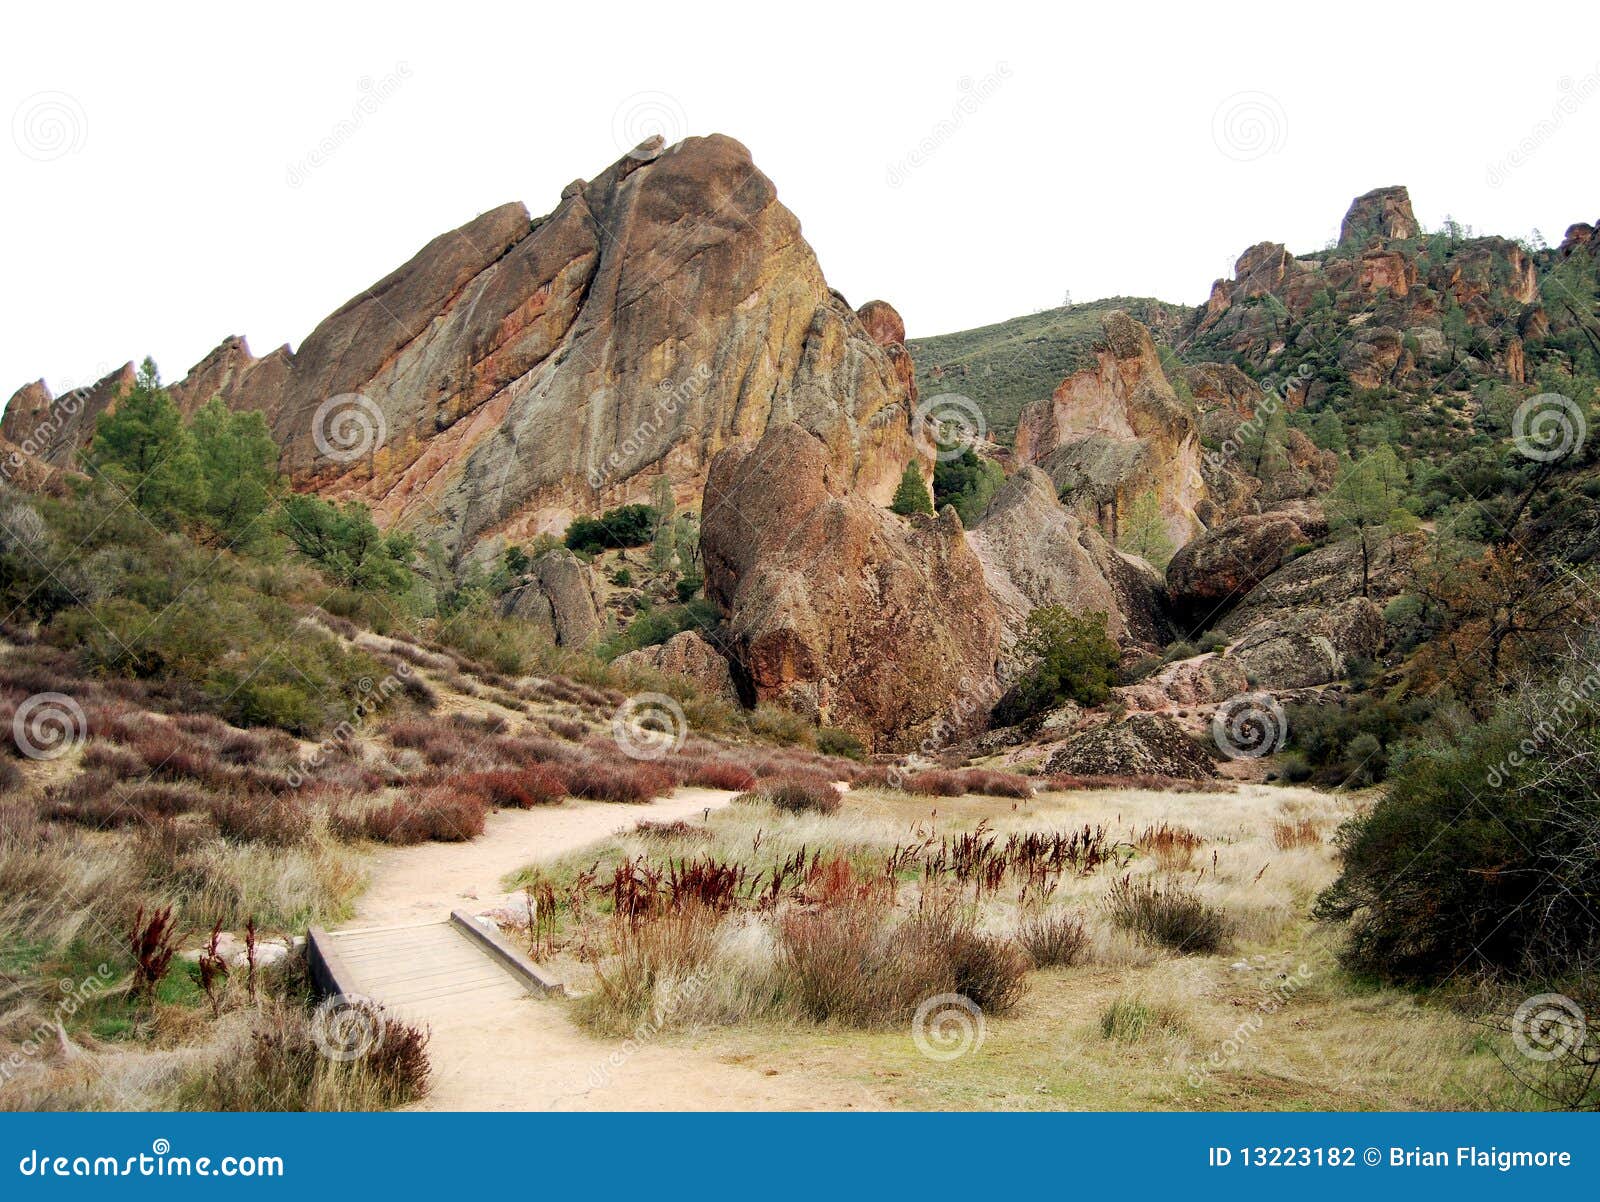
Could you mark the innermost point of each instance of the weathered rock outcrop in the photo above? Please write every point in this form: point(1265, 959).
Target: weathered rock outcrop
point(1217, 569)
point(840, 609)
point(1035, 553)
point(687, 654)
point(1139, 745)
point(1375, 309)
point(53, 429)
point(1200, 681)
point(518, 372)
point(558, 595)
point(1117, 433)
point(1383, 213)
point(1302, 624)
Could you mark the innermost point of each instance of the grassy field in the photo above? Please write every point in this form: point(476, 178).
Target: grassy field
point(1267, 1020)
point(1006, 366)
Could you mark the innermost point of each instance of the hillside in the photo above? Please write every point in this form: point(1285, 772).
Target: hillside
point(1009, 365)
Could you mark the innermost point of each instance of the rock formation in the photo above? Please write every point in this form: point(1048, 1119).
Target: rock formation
point(1035, 553)
point(1116, 433)
point(518, 372)
point(53, 429)
point(688, 654)
point(558, 595)
point(1139, 745)
point(838, 608)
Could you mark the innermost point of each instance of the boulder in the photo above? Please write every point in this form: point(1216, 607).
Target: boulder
point(558, 595)
point(1201, 680)
point(688, 654)
point(1217, 569)
point(1298, 648)
point(865, 620)
point(1139, 745)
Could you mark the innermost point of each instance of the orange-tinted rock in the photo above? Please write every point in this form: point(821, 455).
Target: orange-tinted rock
point(1383, 213)
point(51, 428)
point(838, 608)
point(1116, 432)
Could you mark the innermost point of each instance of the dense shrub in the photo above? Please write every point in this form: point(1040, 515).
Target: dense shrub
point(625, 526)
point(1052, 938)
point(519, 788)
point(798, 794)
point(1165, 914)
point(257, 818)
point(627, 782)
point(438, 814)
point(1480, 857)
point(833, 741)
point(1072, 659)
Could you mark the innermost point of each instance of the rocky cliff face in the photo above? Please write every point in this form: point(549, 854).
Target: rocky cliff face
point(1036, 553)
point(1389, 307)
point(1116, 433)
point(875, 623)
point(52, 429)
point(517, 372)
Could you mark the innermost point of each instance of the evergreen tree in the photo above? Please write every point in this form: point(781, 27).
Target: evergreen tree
point(1146, 532)
point(238, 472)
point(142, 447)
point(1368, 504)
point(912, 495)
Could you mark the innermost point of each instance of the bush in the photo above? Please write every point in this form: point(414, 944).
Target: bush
point(1167, 915)
point(255, 818)
point(626, 526)
point(434, 814)
point(1052, 938)
point(833, 741)
point(1074, 659)
point(911, 496)
point(797, 795)
point(631, 782)
point(1480, 857)
point(517, 788)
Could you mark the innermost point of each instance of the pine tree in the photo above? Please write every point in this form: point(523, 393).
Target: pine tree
point(1146, 534)
point(912, 495)
point(142, 447)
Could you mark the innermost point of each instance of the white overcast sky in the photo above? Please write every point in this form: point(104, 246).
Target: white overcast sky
point(157, 193)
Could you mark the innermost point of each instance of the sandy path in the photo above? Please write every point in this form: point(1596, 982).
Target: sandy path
point(515, 1052)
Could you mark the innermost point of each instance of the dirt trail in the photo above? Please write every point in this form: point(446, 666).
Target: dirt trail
point(509, 1052)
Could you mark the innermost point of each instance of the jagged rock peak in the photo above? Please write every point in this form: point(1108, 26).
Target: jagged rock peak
point(1383, 213)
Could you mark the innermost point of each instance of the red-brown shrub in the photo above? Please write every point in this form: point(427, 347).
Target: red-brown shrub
point(797, 794)
point(260, 818)
point(712, 773)
point(434, 814)
point(516, 788)
point(628, 782)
